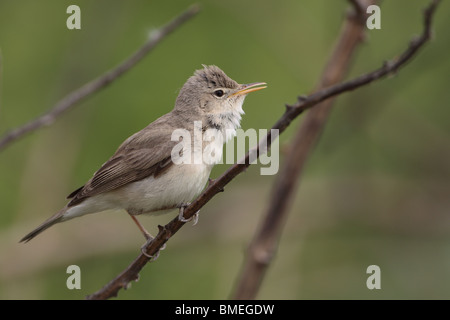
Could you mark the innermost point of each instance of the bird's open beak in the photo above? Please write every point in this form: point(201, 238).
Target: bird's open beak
point(247, 88)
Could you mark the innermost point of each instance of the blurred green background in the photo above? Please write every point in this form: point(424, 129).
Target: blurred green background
point(375, 191)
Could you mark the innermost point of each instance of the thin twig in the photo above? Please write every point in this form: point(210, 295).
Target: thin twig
point(101, 82)
point(262, 248)
point(165, 233)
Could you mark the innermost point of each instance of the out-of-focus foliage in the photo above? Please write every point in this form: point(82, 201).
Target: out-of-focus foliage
point(375, 191)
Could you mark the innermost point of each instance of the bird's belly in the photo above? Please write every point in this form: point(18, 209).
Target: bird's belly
point(178, 185)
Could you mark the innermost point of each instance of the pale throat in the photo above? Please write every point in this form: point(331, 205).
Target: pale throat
point(227, 122)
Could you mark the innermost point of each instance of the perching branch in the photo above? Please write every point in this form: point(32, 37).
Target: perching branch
point(101, 82)
point(165, 233)
point(262, 248)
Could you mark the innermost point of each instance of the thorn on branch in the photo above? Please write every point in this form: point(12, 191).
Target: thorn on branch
point(288, 107)
point(387, 65)
point(302, 98)
point(162, 229)
point(211, 182)
point(414, 41)
point(390, 67)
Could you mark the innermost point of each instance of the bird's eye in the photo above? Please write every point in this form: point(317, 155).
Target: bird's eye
point(218, 93)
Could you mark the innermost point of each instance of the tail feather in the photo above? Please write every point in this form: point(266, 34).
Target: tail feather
point(44, 226)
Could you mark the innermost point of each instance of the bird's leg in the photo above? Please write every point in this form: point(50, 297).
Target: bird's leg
point(181, 214)
point(146, 234)
point(148, 237)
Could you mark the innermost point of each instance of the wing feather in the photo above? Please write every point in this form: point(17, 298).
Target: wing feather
point(146, 153)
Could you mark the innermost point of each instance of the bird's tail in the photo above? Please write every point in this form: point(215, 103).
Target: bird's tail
point(45, 225)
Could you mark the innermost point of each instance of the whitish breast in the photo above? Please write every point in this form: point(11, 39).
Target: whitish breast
point(178, 185)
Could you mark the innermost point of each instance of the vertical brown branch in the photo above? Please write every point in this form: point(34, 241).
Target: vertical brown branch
point(263, 245)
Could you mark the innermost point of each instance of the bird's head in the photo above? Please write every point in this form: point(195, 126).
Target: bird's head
point(214, 95)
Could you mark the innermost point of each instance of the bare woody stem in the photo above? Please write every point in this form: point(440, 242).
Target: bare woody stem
point(292, 111)
point(101, 82)
point(262, 248)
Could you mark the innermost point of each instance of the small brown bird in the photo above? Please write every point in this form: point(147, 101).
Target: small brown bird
point(141, 177)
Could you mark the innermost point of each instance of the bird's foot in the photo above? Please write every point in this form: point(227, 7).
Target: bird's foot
point(145, 245)
point(183, 219)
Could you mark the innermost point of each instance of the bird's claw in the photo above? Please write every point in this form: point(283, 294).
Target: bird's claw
point(183, 219)
point(151, 257)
